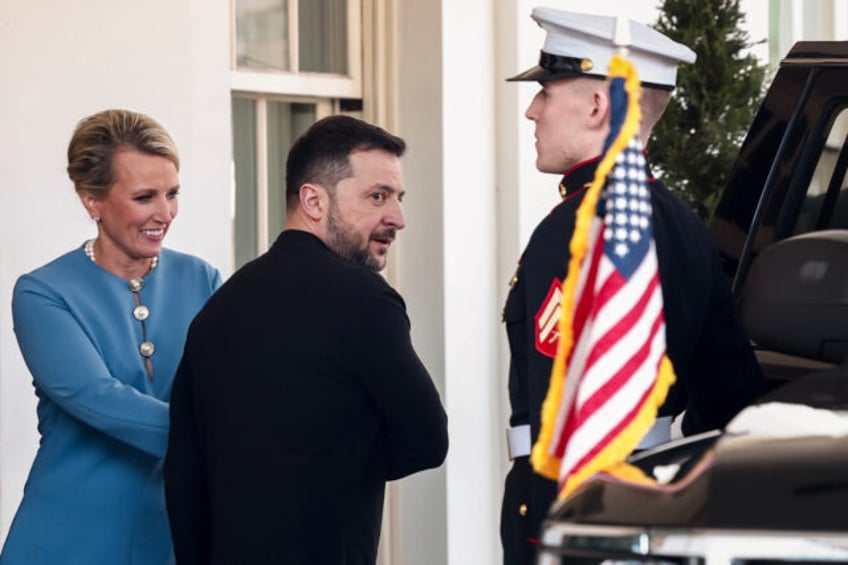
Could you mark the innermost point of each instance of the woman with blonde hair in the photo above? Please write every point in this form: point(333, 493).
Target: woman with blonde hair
point(102, 329)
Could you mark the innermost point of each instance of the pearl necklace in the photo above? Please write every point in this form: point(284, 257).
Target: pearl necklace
point(140, 312)
point(89, 251)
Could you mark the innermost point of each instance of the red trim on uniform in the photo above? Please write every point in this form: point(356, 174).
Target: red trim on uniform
point(575, 193)
point(533, 540)
point(645, 152)
point(578, 165)
point(571, 170)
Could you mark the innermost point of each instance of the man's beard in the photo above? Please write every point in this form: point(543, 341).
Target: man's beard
point(348, 244)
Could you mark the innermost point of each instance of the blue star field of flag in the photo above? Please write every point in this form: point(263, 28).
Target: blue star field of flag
point(626, 210)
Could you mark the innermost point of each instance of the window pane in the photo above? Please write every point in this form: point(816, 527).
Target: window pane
point(262, 34)
point(826, 202)
point(322, 32)
point(244, 163)
point(286, 121)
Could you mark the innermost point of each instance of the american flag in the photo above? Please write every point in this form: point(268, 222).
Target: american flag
point(611, 372)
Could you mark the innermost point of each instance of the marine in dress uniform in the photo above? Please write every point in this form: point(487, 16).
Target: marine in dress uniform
point(717, 373)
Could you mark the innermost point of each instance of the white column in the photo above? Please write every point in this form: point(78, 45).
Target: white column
point(473, 386)
point(418, 505)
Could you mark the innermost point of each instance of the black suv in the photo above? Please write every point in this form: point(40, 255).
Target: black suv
point(773, 486)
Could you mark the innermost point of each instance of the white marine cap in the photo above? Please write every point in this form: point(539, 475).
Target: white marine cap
point(583, 44)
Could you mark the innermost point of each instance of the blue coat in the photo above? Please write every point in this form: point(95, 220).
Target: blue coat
point(95, 493)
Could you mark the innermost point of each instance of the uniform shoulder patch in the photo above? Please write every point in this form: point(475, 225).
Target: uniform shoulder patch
point(547, 321)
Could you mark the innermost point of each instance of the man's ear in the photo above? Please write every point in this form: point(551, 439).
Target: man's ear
point(313, 201)
point(599, 116)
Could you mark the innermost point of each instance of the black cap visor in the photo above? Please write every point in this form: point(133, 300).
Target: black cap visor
point(555, 67)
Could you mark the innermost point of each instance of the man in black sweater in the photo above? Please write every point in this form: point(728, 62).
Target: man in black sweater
point(299, 393)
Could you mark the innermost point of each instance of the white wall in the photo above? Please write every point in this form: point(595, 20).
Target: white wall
point(61, 61)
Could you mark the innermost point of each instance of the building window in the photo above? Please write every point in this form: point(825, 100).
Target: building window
point(263, 131)
point(293, 62)
point(267, 40)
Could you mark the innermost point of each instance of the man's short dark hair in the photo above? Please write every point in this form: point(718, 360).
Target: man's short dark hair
point(321, 155)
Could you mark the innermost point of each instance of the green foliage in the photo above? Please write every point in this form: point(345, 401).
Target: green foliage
point(697, 140)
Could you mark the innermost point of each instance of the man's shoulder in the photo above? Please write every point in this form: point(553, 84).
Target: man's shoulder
point(285, 273)
point(558, 223)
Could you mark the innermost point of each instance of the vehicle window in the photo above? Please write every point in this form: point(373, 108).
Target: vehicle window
point(825, 205)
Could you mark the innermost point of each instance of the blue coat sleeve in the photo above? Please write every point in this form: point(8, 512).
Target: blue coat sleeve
point(68, 369)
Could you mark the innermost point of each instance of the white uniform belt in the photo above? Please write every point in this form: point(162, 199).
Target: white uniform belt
point(659, 433)
point(518, 441)
point(518, 438)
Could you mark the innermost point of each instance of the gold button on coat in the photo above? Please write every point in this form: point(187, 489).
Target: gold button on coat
point(522, 510)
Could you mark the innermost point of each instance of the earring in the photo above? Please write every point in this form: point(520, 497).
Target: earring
point(96, 218)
